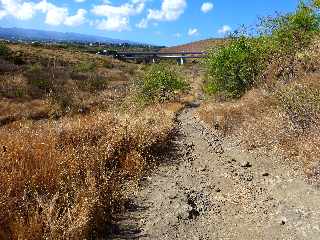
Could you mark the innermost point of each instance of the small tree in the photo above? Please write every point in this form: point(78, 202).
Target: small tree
point(4, 50)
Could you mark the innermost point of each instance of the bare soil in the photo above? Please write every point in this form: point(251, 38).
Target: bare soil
point(209, 188)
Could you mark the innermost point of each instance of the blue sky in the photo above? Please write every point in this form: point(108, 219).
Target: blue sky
point(161, 22)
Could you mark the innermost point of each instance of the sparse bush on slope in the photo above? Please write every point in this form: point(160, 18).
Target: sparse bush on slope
point(4, 50)
point(235, 68)
point(282, 112)
point(301, 103)
point(160, 83)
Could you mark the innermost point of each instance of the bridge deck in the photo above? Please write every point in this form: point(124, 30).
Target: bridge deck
point(154, 56)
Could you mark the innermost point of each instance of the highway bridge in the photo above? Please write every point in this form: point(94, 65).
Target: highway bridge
point(153, 57)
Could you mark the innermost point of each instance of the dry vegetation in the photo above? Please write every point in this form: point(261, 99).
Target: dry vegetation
point(279, 114)
point(273, 81)
point(198, 46)
point(70, 147)
point(37, 83)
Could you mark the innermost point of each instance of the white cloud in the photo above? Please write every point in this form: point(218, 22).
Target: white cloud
point(170, 10)
point(117, 18)
point(224, 29)
point(55, 15)
point(79, 1)
point(77, 19)
point(142, 24)
point(193, 32)
point(116, 24)
point(206, 7)
point(18, 9)
point(2, 14)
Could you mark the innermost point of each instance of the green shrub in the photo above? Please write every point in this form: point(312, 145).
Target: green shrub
point(90, 81)
point(292, 32)
point(97, 82)
point(234, 68)
point(39, 79)
point(107, 63)
point(4, 50)
point(160, 83)
point(84, 67)
point(63, 100)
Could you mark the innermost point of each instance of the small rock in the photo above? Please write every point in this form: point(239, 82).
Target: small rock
point(265, 174)
point(245, 164)
point(194, 104)
point(218, 190)
point(193, 214)
point(246, 177)
point(203, 169)
point(219, 149)
point(283, 222)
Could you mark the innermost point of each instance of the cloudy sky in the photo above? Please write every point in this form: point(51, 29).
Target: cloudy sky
point(163, 22)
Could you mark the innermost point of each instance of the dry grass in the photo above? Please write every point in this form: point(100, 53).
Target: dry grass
point(70, 151)
point(62, 179)
point(51, 83)
point(285, 120)
point(282, 113)
point(198, 46)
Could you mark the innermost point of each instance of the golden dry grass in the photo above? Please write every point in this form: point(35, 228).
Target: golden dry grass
point(197, 46)
point(286, 120)
point(53, 83)
point(57, 176)
point(69, 156)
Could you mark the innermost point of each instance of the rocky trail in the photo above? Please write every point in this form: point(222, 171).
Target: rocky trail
point(209, 188)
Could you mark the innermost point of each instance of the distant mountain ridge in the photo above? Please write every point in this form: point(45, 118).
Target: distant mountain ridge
point(42, 35)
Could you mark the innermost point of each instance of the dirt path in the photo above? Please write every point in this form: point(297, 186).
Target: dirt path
point(209, 189)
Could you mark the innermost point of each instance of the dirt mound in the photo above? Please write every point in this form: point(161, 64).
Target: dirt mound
point(198, 46)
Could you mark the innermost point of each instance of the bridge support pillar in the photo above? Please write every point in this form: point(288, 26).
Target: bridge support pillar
point(181, 61)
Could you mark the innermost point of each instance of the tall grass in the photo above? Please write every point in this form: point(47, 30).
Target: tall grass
point(63, 180)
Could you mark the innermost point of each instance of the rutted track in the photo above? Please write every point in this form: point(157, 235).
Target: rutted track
point(207, 188)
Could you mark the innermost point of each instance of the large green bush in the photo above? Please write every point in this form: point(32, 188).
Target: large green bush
point(239, 65)
point(234, 68)
point(160, 83)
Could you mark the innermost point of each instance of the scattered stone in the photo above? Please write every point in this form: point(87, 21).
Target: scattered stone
point(283, 222)
point(193, 214)
point(218, 190)
point(245, 164)
point(203, 169)
point(219, 149)
point(246, 177)
point(194, 104)
point(265, 174)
